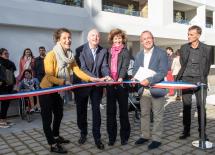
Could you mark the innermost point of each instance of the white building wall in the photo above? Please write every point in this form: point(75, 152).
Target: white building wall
point(17, 38)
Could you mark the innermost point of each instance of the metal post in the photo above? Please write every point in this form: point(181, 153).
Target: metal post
point(202, 143)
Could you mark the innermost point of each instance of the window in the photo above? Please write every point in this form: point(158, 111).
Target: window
point(78, 3)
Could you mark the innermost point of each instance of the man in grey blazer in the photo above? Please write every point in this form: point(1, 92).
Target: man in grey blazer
point(195, 59)
point(154, 58)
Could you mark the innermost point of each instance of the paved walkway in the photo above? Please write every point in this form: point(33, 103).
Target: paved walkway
point(28, 138)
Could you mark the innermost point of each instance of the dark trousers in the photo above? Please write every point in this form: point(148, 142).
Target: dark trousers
point(117, 94)
point(4, 108)
point(81, 97)
point(51, 104)
point(178, 91)
point(187, 103)
point(5, 103)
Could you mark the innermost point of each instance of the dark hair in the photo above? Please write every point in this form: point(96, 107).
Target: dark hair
point(177, 52)
point(41, 47)
point(115, 32)
point(2, 50)
point(27, 70)
point(169, 48)
point(23, 55)
point(197, 28)
point(58, 32)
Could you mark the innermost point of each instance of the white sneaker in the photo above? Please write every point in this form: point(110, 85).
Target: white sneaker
point(4, 125)
point(32, 110)
point(102, 106)
point(37, 110)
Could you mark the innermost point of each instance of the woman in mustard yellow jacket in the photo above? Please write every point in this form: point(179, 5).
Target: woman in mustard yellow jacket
point(58, 64)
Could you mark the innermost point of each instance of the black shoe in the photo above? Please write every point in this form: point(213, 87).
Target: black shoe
point(205, 138)
point(154, 145)
point(61, 140)
point(184, 136)
point(111, 143)
point(82, 139)
point(141, 141)
point(100, 146)
point(58, 149)
point(124, 142)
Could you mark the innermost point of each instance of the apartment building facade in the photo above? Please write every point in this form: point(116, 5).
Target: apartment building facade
point(31, 23)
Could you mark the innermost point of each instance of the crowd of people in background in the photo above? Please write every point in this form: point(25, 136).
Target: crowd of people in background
point(93, 63)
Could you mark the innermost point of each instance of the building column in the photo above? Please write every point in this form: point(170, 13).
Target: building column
point(93, 6)
point(201, 16)
point(96, 7)
point(201, 20)
point(163, 14)
point(213, 19)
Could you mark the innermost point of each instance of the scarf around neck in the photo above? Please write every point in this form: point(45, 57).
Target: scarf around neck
point(63, 62)
point(27, 64)
point(115, 50)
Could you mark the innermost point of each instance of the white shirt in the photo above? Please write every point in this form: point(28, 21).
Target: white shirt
point(147, 57)
point(93, 50)
point(176, 66)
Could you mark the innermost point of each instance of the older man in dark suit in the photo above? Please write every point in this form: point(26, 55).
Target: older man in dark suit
point(92, 59)
point(154, 58)
point(195, 59)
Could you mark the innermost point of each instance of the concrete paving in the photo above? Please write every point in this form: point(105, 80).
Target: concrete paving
point(25, 138)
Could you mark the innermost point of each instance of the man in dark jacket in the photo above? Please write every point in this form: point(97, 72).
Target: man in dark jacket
point(92, 59)
point(195, 59)
point(5, 88)
point(39, 64)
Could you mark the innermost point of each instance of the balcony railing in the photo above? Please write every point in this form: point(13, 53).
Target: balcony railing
point(120, 10)
point(209, 25)
point(78, 3)
point(182, 21)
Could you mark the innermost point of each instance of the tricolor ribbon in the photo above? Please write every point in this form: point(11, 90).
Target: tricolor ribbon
point(164, 84)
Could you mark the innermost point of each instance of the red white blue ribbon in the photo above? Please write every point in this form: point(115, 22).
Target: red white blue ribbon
point(174, 85)
point(164, 84)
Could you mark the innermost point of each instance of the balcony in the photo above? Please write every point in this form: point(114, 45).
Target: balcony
point(183, 14)
point(137, 8)
point(120, 10)
point(209, 25)
point(209, 19)
point(181, 20)
point(77, 3)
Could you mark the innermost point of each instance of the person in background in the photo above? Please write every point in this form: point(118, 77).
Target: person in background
point(130, 67)
point(154, 58)
point(39, 71)
point(29, 83)
point(27, 61)
point(195, 59)
point(118, 61)
point(39, 64)
point(175, 69)
point(58, 64)
point(92, 59)
point(5, 88)
point(169, 76)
